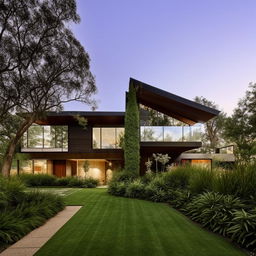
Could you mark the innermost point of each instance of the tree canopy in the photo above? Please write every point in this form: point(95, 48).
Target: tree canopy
point(240, 127)
point(42, 64)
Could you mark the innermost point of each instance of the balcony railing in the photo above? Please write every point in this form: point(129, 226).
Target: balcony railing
point(171, 133)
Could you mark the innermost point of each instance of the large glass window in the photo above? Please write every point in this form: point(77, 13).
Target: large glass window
point(107, 137)
point(45, 138)
point(35, 136)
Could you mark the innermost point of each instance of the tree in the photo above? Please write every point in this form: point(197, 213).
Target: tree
point(42, 64)
point(213, 129)
point(132, 136)
point(240, 128)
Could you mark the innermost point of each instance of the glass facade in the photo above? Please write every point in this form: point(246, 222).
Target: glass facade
point(170, 133)
point(107, 137)
point(45, 138)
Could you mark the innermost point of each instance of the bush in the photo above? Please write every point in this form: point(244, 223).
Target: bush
point(135, 189)
point(213, 210)
point(240, 181)
point(21, 212)
point(243, 228)
point(201, 180)
point(123, 176)
point(90, 183)
point(11, 191)
point(179, 198)
point(33, 180)
point(117, 188)
point(179, 177)
point(155, 193)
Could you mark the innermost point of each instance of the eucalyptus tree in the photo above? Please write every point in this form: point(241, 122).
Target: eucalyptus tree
point(42, 64)
point(213, 129)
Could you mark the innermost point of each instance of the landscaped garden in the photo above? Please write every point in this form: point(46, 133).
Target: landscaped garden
point(108, 225)
point(22, 211)
point(222, 201)
point(28, 200)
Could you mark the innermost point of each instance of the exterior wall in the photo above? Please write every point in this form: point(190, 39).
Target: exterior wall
point(96, 170)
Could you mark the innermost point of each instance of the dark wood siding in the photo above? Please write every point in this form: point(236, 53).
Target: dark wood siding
point(79, 139)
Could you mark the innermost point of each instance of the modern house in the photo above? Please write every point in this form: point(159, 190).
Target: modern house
point(58, 145)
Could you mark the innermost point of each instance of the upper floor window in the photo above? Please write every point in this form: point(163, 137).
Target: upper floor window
point(107, 137)
point(45, 138)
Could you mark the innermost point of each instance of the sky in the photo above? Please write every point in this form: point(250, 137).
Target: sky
point(187, 47)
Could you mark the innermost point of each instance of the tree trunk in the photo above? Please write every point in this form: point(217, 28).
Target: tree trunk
point(7, 163)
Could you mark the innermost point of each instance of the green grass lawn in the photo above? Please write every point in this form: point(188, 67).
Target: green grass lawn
point(108, 225)
point(55, 190)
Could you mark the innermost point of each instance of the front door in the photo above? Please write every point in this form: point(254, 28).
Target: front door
point(59, 168)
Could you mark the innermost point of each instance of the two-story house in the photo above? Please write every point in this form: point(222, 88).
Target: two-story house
point(58, 145)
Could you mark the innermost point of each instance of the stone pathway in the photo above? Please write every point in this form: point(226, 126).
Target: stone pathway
point(32, 242)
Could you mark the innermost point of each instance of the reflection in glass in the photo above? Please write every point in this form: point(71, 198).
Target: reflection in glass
point(152, 133)
point(49, 137)
point(35, 136)
point(186, 133)
point(25, 166)
point(108, 137)
point(173, 133)
point(119, 137)
point(96, 138)
point(45, 138)
point(196, 131)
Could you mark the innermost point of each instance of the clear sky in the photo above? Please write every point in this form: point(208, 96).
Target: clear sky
point(187, 47)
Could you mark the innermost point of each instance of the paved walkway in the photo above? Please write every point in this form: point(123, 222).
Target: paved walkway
point(33, 241)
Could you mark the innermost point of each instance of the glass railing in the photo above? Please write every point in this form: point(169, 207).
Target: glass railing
point(171, 133)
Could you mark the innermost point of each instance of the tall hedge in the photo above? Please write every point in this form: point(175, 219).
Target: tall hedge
point(132, 136)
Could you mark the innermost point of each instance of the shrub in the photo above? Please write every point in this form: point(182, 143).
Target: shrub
point(132, 134)
point(179, 177)
point(179, 198)
point(135, 189)
point(33, 180)
point(155, 193)
point(243, 228)
point(213, 210)
point(90, 183)
point(240, 181)
point(123, 176)
point(201, 180)
point(12, 190)
point(21, 212)
point(117, 188)
point(63, 181)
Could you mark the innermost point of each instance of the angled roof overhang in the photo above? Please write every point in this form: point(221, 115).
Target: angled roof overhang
point(172, 105)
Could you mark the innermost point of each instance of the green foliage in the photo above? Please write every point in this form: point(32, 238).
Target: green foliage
point(123, 176)
point(240, 127)
point(212, 136)
point(132, 136)
point(179, 177)
point(117, 188)
point(179, 198)
point(240, 181)
point(135, 189)
point(34, 180)
point(243, 228)
point(20, 211)
point(213, 210)
point(201, 180)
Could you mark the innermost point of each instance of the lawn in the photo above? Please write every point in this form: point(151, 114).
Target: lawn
point(108, 225)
